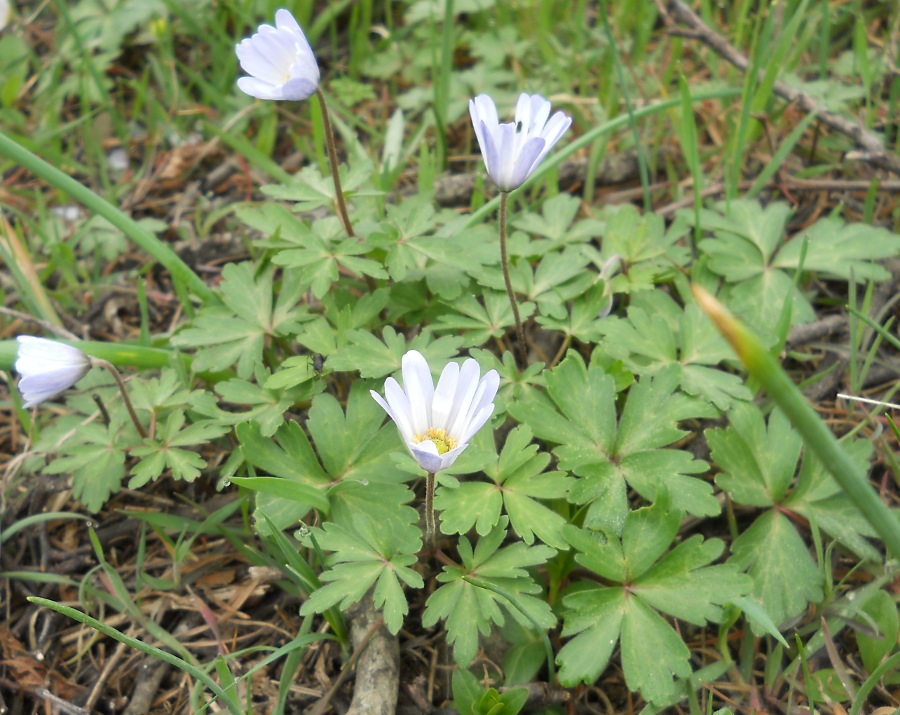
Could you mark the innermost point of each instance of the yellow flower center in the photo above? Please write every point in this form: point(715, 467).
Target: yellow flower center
point(443, 441)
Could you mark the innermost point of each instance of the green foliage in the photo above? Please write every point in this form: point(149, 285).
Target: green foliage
point(881, 627)
point(520, 482)
point(481, 320)
point(165, 450)
point(651, 580)
point(349, 446)
point(311, 190)
point(370, 552)
point(469, 609)
point(647, 248)
point(658, 334)
point(573, 508)
point(470, 697)
point(236, 333)
point(750, 251)
point(579, 415)
point(373, 358)
point(422, 245)
point(96, 463)
point(759, 464)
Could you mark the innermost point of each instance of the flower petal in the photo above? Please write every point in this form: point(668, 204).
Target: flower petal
point(285, 21)
point(279, 60)
point(426, 454)
point(444, 396)
point(477, 422)
point(47, 368)
point(465, 392)
point(419, 388)
point(259, 89)
point(298, 88)
point(399, 403)
point(538, 111)
point(527, 160)
point(448, 458)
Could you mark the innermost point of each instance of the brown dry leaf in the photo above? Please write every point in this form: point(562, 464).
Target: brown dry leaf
point(177, 162)
point(30, 673)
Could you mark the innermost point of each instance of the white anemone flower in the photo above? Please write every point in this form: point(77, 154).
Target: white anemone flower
point(47, 368)
point(279, 60)
point(437, 423)
point(512, 151)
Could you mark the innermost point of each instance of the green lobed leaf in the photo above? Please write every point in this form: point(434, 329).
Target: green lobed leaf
point(164, 451)
point(96, 463)
point(749, 248)
point(236, 332)
point(469, 610)
point(878, 610)
point(367, 556)
point(679, 582)
point(350, 445)
point(519, 482)
point(658, 333)
point(653, 654)
point(758, 461)
point(481, 320)
point(373, 358)
point(580, 416)
point(759, 464)
point(785, 577)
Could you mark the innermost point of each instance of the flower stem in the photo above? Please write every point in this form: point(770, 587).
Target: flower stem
point(504, 262)
point(333, 160)
point(97, 362)
point(429, 510)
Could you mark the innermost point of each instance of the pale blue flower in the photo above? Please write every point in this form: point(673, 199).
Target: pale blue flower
point(47, 368)
point(437, 423)
point(279, 60)
point(512, 151)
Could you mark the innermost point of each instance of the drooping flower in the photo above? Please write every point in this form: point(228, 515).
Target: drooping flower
point(47, 368)
point(437, 423)
point(279, 60)
point(4, 13)
point(512, 151)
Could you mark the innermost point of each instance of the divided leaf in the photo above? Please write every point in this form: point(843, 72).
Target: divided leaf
point(580, 417)
point(236, 332)
point(490, 581)
point(366, 555)
point(749, 249)
point(96, 463)
point(759, 463)
point(374, 358)
point(658, 333)
point(355, 445)
point(650, 581)
point(165, 450)
point(785, 577)
point(519, 483)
